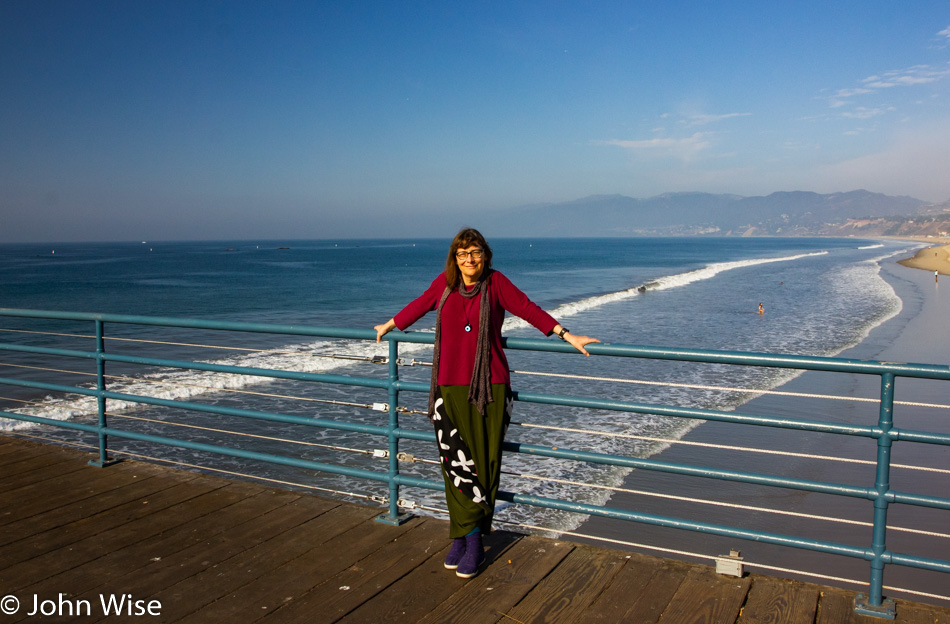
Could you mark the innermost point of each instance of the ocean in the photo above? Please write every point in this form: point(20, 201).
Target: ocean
point(820, 296)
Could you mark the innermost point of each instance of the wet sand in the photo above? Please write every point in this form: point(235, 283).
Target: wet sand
point(917, 334)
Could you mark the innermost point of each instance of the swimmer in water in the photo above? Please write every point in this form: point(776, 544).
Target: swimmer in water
point(761, 309)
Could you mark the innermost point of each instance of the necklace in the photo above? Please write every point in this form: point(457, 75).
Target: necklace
point(465, 310)
point(468, 294)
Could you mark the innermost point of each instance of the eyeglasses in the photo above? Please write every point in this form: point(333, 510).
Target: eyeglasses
point(476, 254)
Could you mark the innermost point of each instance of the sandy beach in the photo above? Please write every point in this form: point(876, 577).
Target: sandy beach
point(931, 259)
point(917, 334)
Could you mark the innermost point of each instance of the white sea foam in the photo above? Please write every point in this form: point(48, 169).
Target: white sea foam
point(662, 283)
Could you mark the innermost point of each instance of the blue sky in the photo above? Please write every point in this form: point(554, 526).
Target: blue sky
point(193, 120)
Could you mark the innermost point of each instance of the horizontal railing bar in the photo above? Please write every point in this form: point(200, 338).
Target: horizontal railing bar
point(698, 414)
point(843, 365)
point(703, 527)
point(925, 437)
point(201, 407)
point(926, 563)
point(366, 382)
point(246, 413)
point(88, 355)
point(684, 469)
point(770, 360)
point(40, 420)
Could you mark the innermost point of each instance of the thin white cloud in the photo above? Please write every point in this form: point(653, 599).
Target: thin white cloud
point(863, 113)
point(945, 33)
point(702, 120)
point(685, 148)
point(911, 76)
point(919, 74)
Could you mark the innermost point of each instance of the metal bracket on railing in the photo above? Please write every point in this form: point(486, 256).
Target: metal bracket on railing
point(382, 500)
point(380, 454)
point(730, 565)
point(406, 457)
point(379, 359)
point(406, 504)
point(381, 407)
point(412, 362)
point(887, 609)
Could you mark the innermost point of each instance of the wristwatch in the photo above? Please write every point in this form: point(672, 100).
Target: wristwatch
point(561, 333)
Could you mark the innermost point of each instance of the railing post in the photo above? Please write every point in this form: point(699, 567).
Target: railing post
point(104, 459)
point(874, 603)
point(393, 517)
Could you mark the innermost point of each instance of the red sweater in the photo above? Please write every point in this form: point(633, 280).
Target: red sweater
point(457, 356)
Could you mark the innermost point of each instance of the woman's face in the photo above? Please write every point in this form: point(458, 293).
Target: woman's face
point(471, 261)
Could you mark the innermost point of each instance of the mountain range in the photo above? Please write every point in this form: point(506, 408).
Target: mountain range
point(793, 213)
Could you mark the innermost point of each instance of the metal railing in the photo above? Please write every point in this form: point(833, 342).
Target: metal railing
point(885, 431)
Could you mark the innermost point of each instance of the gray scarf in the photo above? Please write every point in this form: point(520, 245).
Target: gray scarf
point(479, 389)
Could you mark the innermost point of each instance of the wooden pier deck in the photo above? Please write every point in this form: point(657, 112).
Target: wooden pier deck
point(187, 547)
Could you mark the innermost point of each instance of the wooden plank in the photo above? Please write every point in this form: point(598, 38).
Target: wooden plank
point(192, 594)
point(914, 613)
point(569, 590)
point(53, 551)
point(215, 552)
point(22, 470)
point(85, 508)
point(13, 446)
point(625, 589)
point(404, 602)
point(114, 486)
point(836, 606)
point(650, 605)
point(331, 599)
point(51, 491)
point(773, 600)
point(503, 584)
point(705, 596)
point(109, 570)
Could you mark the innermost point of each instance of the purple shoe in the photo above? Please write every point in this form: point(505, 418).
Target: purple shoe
point(455, 554)
point(473, 558)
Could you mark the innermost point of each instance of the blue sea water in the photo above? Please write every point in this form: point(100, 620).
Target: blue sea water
point(821, 296)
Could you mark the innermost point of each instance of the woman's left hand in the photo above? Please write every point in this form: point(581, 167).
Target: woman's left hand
point(579, 342)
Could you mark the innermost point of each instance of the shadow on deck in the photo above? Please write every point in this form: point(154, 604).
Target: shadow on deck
point(211, 550)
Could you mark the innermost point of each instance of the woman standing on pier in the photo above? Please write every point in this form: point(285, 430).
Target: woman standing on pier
point(470, 393)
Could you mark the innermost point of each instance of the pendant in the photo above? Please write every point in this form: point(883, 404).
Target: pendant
point(468, 327)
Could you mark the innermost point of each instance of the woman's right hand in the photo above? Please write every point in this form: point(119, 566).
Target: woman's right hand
point(385, 328)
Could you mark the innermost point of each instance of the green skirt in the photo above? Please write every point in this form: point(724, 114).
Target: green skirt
point(470, 455)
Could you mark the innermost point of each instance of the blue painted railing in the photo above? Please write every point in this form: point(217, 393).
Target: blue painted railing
point(884, 432)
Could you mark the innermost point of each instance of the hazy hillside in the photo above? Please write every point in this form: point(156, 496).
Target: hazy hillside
point(795, 213)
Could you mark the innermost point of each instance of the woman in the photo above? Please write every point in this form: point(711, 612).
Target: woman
point(470, 394)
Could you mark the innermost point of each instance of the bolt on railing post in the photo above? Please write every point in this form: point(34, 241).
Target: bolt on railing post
point(874, 603)
point(393, 517)
point(103, 459)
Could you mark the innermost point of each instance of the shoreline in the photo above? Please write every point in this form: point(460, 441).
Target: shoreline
point(915, 334)
point(930, 259)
